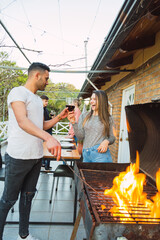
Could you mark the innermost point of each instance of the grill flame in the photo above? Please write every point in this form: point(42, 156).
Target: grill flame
point(131, 201)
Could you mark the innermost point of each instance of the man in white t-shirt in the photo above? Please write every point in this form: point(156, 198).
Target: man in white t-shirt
point(24, 152)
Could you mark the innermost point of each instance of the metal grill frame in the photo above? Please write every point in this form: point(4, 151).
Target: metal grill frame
point(95, 229)
point(97, 199)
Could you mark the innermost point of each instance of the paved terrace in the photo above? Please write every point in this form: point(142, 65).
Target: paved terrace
point(61, 210)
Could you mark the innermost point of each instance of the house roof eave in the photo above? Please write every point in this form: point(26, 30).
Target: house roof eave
point(127, 18)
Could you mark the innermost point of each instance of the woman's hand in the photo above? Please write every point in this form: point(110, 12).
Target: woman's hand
point(103, 146)
point(69, 136)
point(71, 117)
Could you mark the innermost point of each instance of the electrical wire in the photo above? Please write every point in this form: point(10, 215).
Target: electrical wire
point(40, 29)
point(14, 41)
point(8, 5)
point(60, 24)
point(93, 23)
point(27, 49)
point(29, 24)
point(125, 27)
point(138, 19)
point(65, 63)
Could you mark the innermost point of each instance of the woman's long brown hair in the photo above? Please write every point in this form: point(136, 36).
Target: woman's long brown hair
point(103, 112)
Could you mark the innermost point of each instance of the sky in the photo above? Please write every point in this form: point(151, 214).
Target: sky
point(64, 34)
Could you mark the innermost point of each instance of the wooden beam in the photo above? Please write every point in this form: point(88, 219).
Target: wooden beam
point(120, 62)
point(155, 9)
point(87, 95)
point(138, 43)
point(100, 83)
point(107, 79)
point(76, 225)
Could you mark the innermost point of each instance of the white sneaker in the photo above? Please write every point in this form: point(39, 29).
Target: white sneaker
point(29, 237)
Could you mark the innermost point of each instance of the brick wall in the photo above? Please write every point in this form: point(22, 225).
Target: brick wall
point(147, 86)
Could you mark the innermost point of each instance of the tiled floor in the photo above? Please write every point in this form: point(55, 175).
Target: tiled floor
point(60, 210)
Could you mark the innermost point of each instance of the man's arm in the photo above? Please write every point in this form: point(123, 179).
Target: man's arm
point(28, 126)
point(50, 123)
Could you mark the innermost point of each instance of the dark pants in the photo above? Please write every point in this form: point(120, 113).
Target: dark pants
point(21, 177)
point(46, 163)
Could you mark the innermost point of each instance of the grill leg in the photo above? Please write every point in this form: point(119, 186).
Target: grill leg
point(76, 225)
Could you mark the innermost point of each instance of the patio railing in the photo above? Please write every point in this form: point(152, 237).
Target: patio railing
point(59, 128)
point(3, 130)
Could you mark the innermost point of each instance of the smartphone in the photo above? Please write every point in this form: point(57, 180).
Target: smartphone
point(70, 107)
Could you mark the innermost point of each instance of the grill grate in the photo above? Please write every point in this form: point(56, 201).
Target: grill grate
point(101, 180)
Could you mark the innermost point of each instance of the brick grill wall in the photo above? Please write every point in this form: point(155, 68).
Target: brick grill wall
point(147, 86)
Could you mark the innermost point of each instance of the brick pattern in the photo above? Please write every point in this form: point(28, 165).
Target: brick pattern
point(147, 87)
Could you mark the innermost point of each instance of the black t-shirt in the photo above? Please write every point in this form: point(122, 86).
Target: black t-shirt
point(47, 117)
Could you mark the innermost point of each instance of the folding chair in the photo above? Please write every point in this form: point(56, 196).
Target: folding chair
point(61, 171)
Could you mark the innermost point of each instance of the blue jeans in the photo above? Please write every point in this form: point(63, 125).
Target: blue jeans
point(21, 177)
point(75, 139)
point(92, 155)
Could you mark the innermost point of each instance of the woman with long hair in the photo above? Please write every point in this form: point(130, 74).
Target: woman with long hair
point(95, 129)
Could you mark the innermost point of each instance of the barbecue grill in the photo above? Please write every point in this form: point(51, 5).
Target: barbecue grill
point(143, 122)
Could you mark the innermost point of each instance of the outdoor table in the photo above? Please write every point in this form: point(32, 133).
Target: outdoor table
point(66, 154)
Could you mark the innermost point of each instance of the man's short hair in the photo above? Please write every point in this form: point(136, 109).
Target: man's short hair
point(44, 97)
point(38, 66)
